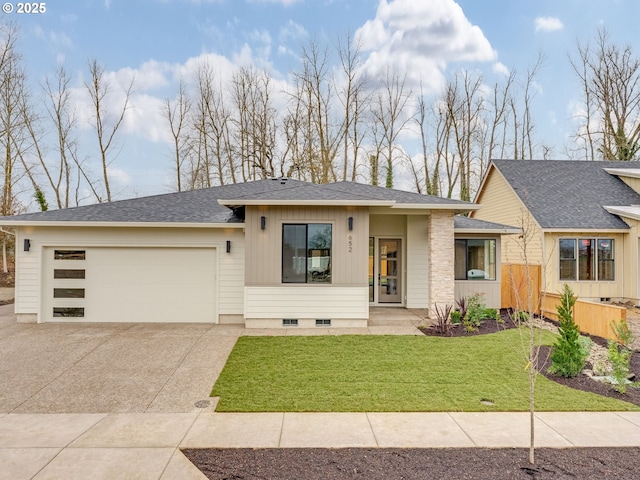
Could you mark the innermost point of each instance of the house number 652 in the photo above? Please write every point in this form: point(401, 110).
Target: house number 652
point(350, 243)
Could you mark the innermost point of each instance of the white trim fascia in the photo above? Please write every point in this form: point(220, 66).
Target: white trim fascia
point(436, 206)
point(328, 203)
point(595, 231)
point(631, 211)
point(492, 231)
point(624, 172)
point(62, 223)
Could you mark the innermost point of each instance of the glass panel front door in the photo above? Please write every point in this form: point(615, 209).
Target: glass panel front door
point(390, 271)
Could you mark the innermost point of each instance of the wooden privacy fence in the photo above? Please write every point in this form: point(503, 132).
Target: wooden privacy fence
point(591, 317)
point(514, 286)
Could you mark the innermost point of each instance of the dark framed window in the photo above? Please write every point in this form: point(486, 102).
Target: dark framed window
point(69, 254)
point(475, 259)
point(306, 253)
point(68, 273)
point(587, 259)
point(76, 312)
point(68, 293)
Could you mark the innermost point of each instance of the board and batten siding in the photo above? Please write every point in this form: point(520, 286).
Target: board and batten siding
point(30, 264)
point(500, 204)
point(417, 263)
point(268, 301)
point(264, 247)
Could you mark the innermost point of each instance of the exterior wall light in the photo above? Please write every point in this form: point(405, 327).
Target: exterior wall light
point(263, 222)
point(228, 246)
point(350, 223)
point(27, 244)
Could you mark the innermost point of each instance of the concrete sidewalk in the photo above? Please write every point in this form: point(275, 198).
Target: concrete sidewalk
point(147, 445)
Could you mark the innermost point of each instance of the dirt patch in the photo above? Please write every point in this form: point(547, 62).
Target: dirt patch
point(359, 463)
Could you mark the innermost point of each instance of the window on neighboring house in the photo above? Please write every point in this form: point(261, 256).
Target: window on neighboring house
point(306, 253)
point(587, 259)
point(475, 259)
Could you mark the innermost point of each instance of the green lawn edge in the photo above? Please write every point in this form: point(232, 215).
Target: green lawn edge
point(368, 373)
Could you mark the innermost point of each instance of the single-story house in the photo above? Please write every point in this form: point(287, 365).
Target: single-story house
point(269, 253)
point(582, 221)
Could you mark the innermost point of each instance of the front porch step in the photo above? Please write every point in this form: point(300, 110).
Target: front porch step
point(382, 316)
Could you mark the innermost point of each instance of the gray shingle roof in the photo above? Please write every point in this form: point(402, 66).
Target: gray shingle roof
point(201, 206)
point(466, 223)
point(569, 194)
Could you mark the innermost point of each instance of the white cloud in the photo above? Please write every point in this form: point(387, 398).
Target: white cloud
point(118, 176)
point(500, 68)
point(548, 24)
point(421, 38)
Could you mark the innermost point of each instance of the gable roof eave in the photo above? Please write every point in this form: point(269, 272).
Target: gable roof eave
point(523, 205)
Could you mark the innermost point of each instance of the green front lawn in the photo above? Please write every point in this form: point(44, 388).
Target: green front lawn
point(354, 373)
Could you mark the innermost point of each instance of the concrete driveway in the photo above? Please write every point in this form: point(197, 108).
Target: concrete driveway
point(110, 368)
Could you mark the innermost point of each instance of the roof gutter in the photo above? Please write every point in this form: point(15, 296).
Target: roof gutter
point(62, 223)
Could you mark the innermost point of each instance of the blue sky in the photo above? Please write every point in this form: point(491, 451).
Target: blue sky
point(160, 40)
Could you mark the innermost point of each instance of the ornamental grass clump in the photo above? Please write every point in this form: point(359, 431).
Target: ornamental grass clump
point(569, 353)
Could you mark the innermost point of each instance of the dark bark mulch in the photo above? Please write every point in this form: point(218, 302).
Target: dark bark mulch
point(369, 463)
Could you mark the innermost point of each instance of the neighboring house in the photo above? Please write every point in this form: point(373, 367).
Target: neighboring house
point(582, 221)
point(268, 253)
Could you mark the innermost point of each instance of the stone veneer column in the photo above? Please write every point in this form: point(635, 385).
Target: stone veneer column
point(441, 260)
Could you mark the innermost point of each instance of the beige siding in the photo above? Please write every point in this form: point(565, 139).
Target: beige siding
point(307, 301)
point(588, 290)
point(500, 204)
point(30, 264)
point(388, 226)
point(264, 247)
point(634, 183)
point(27, 282)
point(417, 261)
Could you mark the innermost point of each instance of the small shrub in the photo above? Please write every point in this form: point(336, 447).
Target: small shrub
point(461, 306)
point(620, 355)
point(520, 316)
point(456, 317)
point(568, 354)
point(442, 316)
point(475, 311)
point(492, 314)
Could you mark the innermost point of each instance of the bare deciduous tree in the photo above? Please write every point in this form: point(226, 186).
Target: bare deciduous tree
point(390, 118)
point(106, 128)
point(176, 112)
point(610, 80)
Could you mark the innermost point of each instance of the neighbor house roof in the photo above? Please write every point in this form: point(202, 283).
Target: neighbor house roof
point(215, 205)
point(569, 194)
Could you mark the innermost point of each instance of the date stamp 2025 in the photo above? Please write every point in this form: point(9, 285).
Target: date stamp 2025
point(22, 8)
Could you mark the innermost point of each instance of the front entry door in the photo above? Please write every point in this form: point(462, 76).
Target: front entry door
point(390, 271)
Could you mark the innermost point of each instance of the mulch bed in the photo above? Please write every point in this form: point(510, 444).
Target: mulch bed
point(445, 463)
point(415, 463)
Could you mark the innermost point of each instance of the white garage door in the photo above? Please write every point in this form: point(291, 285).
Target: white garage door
point(129, 284)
